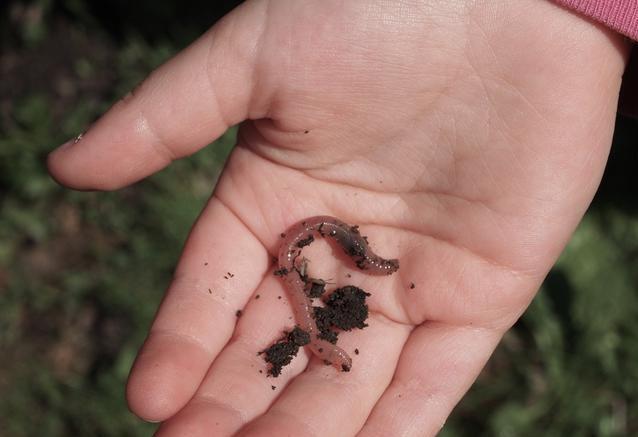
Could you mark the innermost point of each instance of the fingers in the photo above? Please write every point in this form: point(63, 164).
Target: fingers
point(221, 265)
point(438, 365)
point(236, 390)
point(185, 104)
point(322, 401)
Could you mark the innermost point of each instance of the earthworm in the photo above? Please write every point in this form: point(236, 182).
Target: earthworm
point(355, 246)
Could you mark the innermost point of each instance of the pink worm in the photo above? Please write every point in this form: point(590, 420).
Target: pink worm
point(355, 245)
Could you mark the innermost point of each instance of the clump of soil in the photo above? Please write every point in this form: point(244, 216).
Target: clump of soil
point(345, 309)
point(283, 351)
point(348, 307)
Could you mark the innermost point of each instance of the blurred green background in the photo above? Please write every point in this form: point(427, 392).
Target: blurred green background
point(82, 273)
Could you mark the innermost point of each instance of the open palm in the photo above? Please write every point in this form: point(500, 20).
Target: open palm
point(465, 140)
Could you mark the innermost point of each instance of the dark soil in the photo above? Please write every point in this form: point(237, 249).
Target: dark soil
point(315, 287)
point(345, 309)
point(306, 241)
point(282, 352)
point(323, 318)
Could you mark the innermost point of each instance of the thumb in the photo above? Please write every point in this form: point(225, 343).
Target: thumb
point(182, 106)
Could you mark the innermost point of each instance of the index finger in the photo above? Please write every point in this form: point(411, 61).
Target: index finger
point(214, 279)
point(182, 106)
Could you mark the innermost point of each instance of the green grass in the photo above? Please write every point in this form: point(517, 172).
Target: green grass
point(81, 274)
point(569, 366)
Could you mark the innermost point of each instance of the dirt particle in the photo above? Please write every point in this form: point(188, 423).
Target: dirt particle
point(210, 291)
point(348, 275)
point(257, 297)
point(306, 241)
point(281, 272)
point(356, 351)
point(205, 264)
point(278, 297)
point(238, 313)
point(306, 131)
point(272, 387)
point(230, 275)
point(412, 285)
point(282, 235)
point(315, 288)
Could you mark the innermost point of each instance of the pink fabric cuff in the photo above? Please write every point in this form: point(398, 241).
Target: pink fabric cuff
point(620, 15)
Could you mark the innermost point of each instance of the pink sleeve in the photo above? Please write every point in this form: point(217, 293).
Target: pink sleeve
point(620, 15)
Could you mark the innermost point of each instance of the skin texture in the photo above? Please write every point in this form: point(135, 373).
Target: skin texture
point(293, 271)
point(467, 136)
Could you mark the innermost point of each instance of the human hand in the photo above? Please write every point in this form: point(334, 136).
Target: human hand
point(465, 138)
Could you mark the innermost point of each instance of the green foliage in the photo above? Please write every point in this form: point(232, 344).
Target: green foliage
point(84, 274)
point(81, 274)
point(569, 366)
